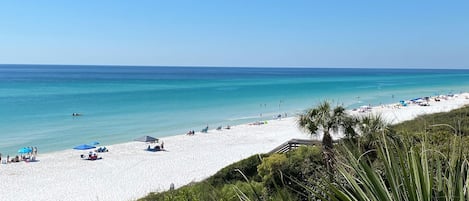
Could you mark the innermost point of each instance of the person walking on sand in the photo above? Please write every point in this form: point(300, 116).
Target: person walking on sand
point(162, 144)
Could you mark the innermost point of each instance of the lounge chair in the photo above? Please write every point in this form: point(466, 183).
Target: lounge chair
point(205, 130)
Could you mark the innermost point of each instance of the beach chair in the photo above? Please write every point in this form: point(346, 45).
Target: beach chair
point(205, 130)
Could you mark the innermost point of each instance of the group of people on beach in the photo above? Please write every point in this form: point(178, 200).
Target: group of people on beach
point(157, 147)
point(421, 101)
point(30, 156)
point(91, 156)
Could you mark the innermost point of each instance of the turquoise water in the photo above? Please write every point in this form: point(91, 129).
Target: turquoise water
point(120, 103)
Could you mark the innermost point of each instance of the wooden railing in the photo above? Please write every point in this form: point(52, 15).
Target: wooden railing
point(293, 144)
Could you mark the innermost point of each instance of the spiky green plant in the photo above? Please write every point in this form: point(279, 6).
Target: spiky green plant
point(408, 174)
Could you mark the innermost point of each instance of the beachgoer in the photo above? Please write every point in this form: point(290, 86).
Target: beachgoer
point(171, 187)
point(162, 144)
point(8, 158)
point(148, 148)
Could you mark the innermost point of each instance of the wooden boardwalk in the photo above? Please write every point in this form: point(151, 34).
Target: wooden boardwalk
point(293, 144)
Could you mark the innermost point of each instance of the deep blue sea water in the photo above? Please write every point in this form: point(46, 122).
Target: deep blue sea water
point(120, 103)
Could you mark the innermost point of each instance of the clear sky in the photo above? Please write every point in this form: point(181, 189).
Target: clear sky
point(329, 33)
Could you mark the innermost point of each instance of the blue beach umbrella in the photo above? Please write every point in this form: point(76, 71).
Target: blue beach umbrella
point(84, 147)
point(25, 150)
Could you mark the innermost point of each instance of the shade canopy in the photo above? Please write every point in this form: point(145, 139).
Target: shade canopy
point(146, 138)
point(84, 147)
point(25, 150)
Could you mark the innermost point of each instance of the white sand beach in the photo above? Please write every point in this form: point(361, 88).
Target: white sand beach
point(128, 171)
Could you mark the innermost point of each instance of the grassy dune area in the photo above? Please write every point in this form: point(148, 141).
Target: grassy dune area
point(420, 159)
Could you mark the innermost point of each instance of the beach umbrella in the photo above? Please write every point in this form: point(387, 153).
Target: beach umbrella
point(94, 143)
point(146, 138)
point(25, 150)
point(84, 147)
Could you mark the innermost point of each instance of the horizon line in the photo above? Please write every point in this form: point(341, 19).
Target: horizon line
point(244, 66)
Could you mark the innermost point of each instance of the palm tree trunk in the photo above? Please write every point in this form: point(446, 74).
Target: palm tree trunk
point(328, 153)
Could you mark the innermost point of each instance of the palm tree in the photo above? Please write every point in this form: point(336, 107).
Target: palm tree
point(324, 118)
point(370, 128)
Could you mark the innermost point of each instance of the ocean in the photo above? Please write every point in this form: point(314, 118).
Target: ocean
point(121, 103)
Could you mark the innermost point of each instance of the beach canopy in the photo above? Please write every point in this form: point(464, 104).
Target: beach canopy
point(146, 138)
point(25, 150)
point(84, 147)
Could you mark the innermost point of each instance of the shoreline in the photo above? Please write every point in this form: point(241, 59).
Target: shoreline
point(129, 172)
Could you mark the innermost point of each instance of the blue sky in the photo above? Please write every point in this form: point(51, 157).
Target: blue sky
point(427, 34)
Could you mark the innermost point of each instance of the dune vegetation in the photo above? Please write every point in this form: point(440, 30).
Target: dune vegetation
point(422, 159)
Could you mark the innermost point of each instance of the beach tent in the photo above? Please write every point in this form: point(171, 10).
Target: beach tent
point(146, 138)
point(84, 147)
point(25, 150)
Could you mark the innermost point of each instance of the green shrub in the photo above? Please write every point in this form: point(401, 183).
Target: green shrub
point(201, 191)
point(270, 168)
point(219, 186)
point(251, 189)
point(229, 174)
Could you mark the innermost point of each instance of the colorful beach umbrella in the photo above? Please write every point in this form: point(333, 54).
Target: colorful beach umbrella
point(25, 150)
point(84, 147)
